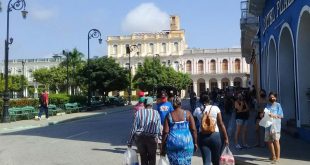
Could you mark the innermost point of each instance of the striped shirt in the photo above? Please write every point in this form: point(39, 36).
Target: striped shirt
point(146, 122)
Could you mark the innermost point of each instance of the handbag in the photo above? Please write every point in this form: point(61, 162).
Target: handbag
point(227, 158)
point(130, 157)
point(163, 161)
point(266, 121)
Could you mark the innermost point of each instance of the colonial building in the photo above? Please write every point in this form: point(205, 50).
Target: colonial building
point(208, 68)
point(276, 36)
point(27, 66)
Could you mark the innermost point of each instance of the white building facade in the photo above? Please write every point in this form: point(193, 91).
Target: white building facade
point(27, 66)
point(208, 68)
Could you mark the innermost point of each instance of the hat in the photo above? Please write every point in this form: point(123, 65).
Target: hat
point(149, 101)
point(141, 100)
point(141, 94)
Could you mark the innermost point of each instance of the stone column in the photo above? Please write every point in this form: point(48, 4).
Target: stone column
point(232, 82)
point(207, 82)
point(219, 84)
point(195, 86)
point(244, 81)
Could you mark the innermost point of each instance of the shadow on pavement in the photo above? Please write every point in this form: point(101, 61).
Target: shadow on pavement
point(113, 129)
point(115, 150)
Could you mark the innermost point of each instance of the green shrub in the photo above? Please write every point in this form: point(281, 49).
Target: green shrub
point(58, 99)
point(20, 103)
point(79, 99)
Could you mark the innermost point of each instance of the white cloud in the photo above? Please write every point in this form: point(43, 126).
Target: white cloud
point(43, 14)
point(147, 17)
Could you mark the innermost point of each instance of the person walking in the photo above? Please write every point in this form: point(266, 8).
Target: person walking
point(164, 107)
point(273, 133)
point(242, 117)
point(179, 135)
point(193, 100)
point(210, 143)
point(262, 102)
point(43, 99)
point(145, 132)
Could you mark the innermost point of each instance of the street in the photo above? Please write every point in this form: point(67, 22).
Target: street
point(94, 141)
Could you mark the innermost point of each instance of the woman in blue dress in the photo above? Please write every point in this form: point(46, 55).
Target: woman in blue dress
point(179, 135)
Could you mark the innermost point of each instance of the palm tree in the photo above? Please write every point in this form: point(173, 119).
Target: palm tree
point(75, 64)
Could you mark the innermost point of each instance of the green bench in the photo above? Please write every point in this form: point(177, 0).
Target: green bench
point(27, 111)
point(53, 109)
point(72, 107)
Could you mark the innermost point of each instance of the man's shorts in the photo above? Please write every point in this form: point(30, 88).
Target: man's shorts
point(241, 122)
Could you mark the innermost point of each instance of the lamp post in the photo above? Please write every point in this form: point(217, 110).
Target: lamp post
point(12, 5)
point(67, 54)
point(129, 49)
point(93, 33)
point(23, 77)
point(155, 56)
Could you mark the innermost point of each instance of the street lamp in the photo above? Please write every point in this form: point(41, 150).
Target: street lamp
point(12, 5)
point(129, 49)
point(93, 33)
point(155, 56)
point(23, 77)
point(67, 54)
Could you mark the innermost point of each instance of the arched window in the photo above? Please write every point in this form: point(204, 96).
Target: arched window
point(139, 49)
point(114, 49)
point(188, 66)
point(163, 48)
point(212, 66)
point(200, 67)
point(225, 66)
point(176, 47)
point(237, 65)
point(176, 65)
point(151, 50)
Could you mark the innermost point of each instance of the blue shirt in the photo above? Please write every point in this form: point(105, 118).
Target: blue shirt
point(276, 109)
point(163, 109)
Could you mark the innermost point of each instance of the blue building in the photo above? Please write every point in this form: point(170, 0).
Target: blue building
point(276, 41)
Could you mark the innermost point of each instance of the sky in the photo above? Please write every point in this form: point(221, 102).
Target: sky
point(55, 25)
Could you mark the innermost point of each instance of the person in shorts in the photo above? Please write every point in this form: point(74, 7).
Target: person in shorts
point(273, 133)
point(242, 117)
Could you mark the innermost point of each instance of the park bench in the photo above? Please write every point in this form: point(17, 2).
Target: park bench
point(17, 112)
point(53, 109)
point(72, 107)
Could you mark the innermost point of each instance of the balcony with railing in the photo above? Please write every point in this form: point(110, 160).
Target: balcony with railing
point(249, 25)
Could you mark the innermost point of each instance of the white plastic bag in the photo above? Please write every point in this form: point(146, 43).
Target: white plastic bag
point(227, 158)
point(163, 161)
point(266, 120)
point(130, 157)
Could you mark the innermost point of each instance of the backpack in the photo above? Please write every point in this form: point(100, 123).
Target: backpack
point(207, 123)
point(41, 99)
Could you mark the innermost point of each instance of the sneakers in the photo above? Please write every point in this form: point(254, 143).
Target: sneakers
point(246, 146)
point(238, 146)
point(39, 118)
point(48, 119)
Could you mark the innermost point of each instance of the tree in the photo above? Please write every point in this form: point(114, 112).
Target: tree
point(105, 75)
point(58, 77)
point(43, 76)
point(75, 64)
point(152, 74)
